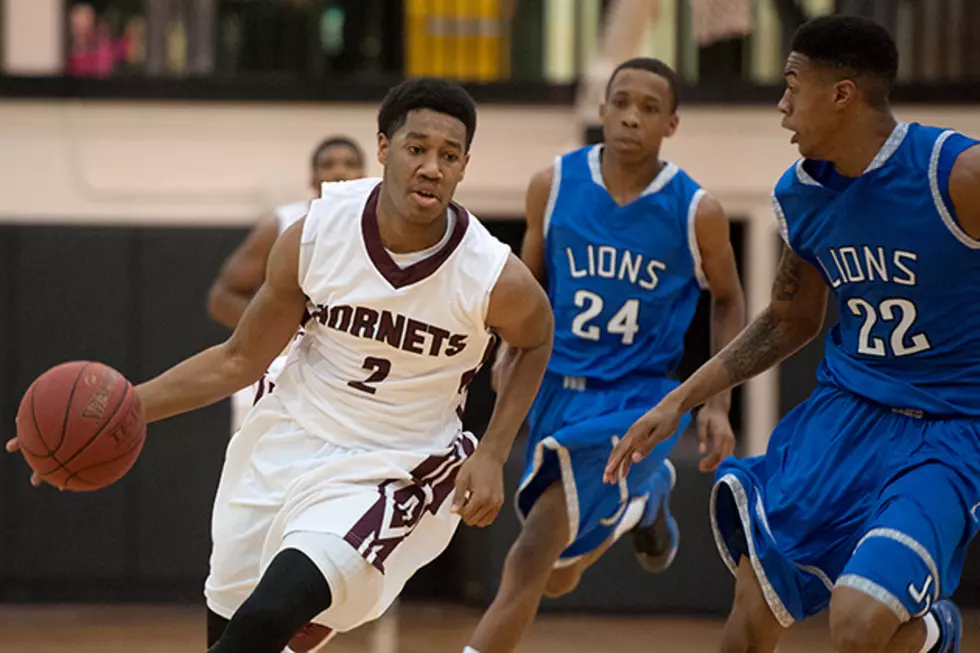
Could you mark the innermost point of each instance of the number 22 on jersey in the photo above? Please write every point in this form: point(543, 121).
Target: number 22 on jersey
point(889, 310)
point(624, 323)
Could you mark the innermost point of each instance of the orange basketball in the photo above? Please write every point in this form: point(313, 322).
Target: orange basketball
point(81, 426)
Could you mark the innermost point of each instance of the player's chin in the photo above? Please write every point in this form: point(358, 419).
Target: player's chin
point(425, 215)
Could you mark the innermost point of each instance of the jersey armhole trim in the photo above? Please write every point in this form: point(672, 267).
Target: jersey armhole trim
point(945, 211)
point(494, 278)
point(692, 236)
point(307, 244)
point(552, 196)
point(777, 210)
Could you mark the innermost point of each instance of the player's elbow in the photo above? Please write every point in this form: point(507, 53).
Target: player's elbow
point(238, 365)
point(805, 326)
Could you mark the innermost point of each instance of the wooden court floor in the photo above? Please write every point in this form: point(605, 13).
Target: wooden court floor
point(413, 629)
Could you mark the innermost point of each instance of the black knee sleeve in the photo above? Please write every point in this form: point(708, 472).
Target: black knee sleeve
point(216, 627)
point(292, 591)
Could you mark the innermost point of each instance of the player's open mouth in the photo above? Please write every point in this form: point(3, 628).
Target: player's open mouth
point(425, 198)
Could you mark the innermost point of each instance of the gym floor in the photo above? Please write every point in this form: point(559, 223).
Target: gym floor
point(412, 628)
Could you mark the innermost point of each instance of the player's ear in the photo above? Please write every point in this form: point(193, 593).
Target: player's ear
point(675, 120)
point(383, 145)
point(845, 92)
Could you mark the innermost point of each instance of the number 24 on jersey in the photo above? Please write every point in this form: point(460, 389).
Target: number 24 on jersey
point(624, 323)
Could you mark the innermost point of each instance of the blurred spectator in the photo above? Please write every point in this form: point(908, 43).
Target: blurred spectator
point(93, 50)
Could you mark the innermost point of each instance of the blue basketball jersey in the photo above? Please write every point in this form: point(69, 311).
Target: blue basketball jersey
point(624, 281)
point(906, 276)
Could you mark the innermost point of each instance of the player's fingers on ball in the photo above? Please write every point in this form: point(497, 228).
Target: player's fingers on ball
point(35, 480)
point(13, 445)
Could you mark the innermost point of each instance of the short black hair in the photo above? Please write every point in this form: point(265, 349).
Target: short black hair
point(852, 44)
point(337, 141)
point(440, 95)
point(655, 66)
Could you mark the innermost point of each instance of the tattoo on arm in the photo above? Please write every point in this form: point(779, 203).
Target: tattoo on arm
point(767, 340)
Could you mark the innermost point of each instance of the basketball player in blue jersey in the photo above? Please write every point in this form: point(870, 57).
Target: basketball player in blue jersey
point(624, 242)
point(869, 493)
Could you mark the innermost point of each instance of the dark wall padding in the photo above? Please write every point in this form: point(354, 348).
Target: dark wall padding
point(135, 298)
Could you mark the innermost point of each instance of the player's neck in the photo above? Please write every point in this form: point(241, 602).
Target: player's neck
point(400, 236)
point(860, 144)
point(625, 180)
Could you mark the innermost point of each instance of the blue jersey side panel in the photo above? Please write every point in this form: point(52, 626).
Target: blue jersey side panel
point(906, 277)
point(623, 280)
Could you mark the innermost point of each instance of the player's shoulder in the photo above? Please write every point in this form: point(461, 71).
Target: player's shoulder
point(340, 202)
point(579, 164)
point(476, 231)
point(355, 188)
point(288, 214)
point(481, 250)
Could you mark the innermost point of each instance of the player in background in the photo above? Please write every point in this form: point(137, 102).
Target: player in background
point(355, 471)
point(624, 242)
point(337, 158)
point(868, 495)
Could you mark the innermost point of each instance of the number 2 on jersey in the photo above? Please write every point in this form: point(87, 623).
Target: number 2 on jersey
point(380, 369)
point(887, 310)
point(623, 323)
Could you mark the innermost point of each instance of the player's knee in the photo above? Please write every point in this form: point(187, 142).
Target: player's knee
point(859, 623)
point(265, 614)
point(527, 559)
point(561, 582)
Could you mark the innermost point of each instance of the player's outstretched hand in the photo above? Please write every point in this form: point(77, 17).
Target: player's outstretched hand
point(715, 436)
point(479, 490)
point(13, 447)
point(656, 425)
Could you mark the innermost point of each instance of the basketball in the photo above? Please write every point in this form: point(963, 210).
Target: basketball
point(81, 426)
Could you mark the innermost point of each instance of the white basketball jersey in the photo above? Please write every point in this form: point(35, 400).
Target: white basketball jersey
point(289, 214)
point(389, 352)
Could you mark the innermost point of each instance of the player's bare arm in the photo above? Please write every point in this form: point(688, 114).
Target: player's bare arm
point(267, 326)
point(964, 191)
point(520, 314)
point(532, 248)
point(713, 233)
point(242, 274)
point(793, 318)
point(535, 205)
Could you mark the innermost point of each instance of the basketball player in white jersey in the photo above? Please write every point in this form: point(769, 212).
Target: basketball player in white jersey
point(337, 158)
point(355, 471)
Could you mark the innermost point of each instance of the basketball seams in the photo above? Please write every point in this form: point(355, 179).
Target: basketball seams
point(71, 397)
point(37, 430)
point(76, 475)
point(89, 444)
point(102, 428)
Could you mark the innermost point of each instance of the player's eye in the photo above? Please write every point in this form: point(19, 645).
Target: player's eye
point(414, 150)
point(451, 157)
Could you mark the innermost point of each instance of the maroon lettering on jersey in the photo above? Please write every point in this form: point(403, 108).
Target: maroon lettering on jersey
point(438, 337)
point(457, 343)
point(398, 331)
point(391, 328)
point(414, 336)
point(340, 317)
point(364, 322)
